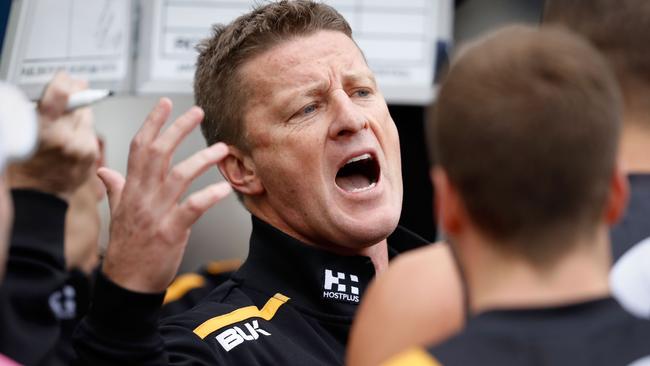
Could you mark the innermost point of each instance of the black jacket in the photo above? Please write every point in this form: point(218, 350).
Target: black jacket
point(34, 300)
point(289, 304)
point(592, 333)
point(189, 289)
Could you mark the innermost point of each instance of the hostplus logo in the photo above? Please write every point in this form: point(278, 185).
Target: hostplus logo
point(339, 286)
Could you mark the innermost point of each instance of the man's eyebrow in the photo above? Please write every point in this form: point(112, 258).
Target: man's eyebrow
point(293, 88)
point(319, 87)
point(315, 88)
point(290, 95)
point(359, 77)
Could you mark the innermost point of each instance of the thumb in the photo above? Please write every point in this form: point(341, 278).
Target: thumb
point(114, 183)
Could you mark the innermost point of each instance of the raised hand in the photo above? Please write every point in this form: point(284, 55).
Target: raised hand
point(67, 145)
point(149, 224)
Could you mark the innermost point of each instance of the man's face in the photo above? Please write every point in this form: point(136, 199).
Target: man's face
point(323, 143)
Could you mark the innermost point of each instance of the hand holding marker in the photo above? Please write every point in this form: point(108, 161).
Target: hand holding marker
point(85, 98)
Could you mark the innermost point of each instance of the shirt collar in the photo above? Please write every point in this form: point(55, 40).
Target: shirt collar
point(314, 279)
point(582, 314)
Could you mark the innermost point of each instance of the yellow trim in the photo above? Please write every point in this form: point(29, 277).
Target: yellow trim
point(228, 265)
point(182, 285)
point(218, 322)
point(187, 282)
point(413, 357)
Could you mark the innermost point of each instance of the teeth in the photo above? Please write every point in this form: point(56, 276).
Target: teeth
point(372, 185)
point(358, 158)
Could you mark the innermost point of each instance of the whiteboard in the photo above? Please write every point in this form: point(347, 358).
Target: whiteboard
point(169, 31)
point(90, 39)
point(398, 38)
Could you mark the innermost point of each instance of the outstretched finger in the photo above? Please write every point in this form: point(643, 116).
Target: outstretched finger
point(182, 175)
point(154, 121)
point(114, 183)
point(186, 214)
point(147, 133)
point(169, 139)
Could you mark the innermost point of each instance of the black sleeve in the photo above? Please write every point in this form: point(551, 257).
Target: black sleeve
point(35, 270)
point(72, 301)
point(123, 328)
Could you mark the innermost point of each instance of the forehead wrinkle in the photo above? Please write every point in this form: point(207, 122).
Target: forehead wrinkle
point(299, 88)
point(296, 82)
point(305, 69)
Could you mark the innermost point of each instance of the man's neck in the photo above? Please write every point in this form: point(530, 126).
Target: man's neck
point(635, 146)
point(378, 253)
point(496, 281)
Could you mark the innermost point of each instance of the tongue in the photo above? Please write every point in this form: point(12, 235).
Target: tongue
point(353, 182)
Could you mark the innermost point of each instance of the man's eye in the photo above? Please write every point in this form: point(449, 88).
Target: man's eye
point(306, 111)
point(362, 93)
point(309, 109)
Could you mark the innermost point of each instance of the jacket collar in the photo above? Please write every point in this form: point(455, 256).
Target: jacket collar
point(317, 281)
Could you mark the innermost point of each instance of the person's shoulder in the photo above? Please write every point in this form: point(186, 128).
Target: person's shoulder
point(189, 289)
point(616, 338)
point(416, 356)
point(427, 277)
point(222, 300)
point(620, 337)
point(228, 305)
point(452, 352)
point(230, 326)
point(419, 298)
point(472, 346)
point(628, 328)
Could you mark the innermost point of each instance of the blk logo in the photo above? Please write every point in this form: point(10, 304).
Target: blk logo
point(233, 337)
point(338, 286)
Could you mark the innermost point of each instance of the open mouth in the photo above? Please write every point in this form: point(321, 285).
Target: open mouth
point(358, 174)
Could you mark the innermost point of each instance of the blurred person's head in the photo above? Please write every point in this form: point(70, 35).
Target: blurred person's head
point(18, 133)
point(313, 149)
point(620, 30)
point(525, 135)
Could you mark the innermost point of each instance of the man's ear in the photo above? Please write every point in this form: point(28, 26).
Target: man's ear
point(239, 169)
point(619, 192)
point(450, 211)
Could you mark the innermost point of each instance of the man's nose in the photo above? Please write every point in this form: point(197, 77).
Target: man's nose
point(348, 117)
